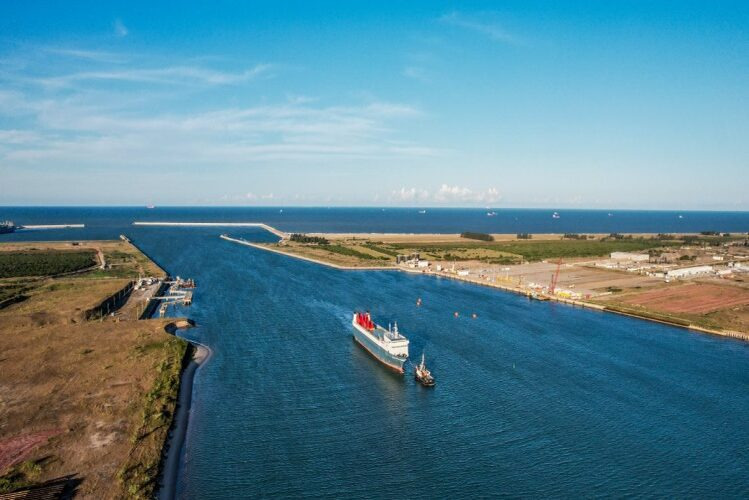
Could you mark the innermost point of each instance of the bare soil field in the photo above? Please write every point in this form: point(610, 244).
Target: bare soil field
point(691, 298)
point(86, 402)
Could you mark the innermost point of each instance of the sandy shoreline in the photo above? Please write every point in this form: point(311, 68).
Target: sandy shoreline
point(168, 484)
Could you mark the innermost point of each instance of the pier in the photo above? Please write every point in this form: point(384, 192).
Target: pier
point(175, 294)
point(261, 225)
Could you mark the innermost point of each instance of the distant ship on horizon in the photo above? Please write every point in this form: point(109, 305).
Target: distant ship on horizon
point(555, 215)
point(7, 226)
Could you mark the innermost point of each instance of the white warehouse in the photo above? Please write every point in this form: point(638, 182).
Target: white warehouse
point(689, 271)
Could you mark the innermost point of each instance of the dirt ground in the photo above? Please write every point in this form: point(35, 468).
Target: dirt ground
point(79, 387)
point(693, 298)
point(72, 392)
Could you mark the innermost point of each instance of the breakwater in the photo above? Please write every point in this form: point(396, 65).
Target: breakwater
point(52, 226)
point(308, 259)
point(261, 225)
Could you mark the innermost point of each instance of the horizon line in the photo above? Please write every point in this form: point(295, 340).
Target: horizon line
point(396, 207)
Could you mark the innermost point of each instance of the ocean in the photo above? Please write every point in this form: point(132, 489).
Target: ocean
point(107, 221)
point(533, 399)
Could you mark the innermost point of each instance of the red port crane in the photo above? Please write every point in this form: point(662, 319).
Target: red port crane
point(555, 278)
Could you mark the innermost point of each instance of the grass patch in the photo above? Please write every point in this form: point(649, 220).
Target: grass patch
point(22, 475)
point(350, 252)
point(139, 472)
point(10, 291)
point(539, 249)
point(381, 249)
point(112, 272)
point(44, 263)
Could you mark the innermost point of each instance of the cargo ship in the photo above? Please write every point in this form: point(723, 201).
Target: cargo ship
point(389, 347)
point(7, 226)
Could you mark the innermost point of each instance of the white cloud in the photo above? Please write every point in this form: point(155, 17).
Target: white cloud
point(493, 31)
point(410, 195)
point(458, 194)
point(170, 75)
point(89, 55)
point(120, 29)
point(72, 132)
point(75, 123)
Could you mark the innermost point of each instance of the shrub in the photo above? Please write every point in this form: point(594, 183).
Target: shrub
point(303, 238)
point(477, 236)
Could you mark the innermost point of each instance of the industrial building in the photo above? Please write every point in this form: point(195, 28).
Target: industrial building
point(687, 272)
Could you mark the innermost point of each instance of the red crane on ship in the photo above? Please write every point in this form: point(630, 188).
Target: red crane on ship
point(555, 278)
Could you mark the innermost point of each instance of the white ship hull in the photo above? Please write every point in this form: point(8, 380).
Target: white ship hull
point(391, 353)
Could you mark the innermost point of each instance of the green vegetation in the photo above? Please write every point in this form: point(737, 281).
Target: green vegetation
point(22, 475)
point(531, 250)
point(618, 236)
point(44, 263)
point(14, 291)
point(714, 241)
point(378, 247)
point(477, 236)
point(540, 250)
point(575, 236)
point(342, 250)
point(139, 473)
point(303, 238)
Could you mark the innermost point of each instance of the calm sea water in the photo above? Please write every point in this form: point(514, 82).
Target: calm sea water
point(532, 399)
point(103, 222)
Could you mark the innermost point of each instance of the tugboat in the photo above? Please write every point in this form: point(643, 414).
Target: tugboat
point(423, 375)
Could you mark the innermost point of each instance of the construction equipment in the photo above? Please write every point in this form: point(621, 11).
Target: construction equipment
point(555, 278)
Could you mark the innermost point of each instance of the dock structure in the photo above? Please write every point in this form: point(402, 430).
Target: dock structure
point(261, 225)
point(175, 294)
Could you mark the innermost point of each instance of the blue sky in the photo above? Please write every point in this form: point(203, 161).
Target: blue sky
point(519, 104)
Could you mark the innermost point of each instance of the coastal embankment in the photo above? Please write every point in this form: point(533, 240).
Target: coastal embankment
point(173, 447)
point(645, 315)
point(52, 226)
point(309, 259)
point(499, 286)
